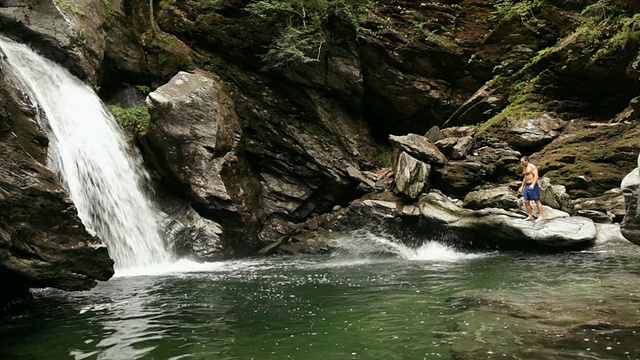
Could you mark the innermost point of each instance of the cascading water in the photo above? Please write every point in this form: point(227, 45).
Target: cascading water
point(87, 149)
point(364, 244)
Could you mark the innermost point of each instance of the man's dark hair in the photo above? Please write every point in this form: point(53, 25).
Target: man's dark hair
point(524, 158)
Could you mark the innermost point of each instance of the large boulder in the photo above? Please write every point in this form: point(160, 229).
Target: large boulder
point(436, 216)
point(412, 175)
point(455, 148)
point(534, 132)
point(192, 143)
point(555, 196)
point(497, 225)
point(630, 226)
point(419, 147)
point(43, 243)
point(502, 197)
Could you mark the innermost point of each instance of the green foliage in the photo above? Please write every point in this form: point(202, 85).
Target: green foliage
point(70, 7)
point(522, 10)
point(143, 89)
point(134, 119)
point(301, 26)
point(606, 28)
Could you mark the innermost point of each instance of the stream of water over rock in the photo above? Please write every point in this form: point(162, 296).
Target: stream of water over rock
point(87, 149)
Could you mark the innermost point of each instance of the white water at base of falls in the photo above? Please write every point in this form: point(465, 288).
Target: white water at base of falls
point(87, 149)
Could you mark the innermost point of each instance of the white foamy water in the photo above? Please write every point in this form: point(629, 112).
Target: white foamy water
point(104, 177)
point(363, 244)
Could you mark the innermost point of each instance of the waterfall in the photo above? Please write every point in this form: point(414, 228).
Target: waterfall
point(104, 177)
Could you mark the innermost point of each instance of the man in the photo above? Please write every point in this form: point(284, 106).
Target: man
point(530, 188)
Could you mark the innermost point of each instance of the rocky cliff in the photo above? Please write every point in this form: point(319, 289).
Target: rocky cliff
point(42, 241)
point(283, 110)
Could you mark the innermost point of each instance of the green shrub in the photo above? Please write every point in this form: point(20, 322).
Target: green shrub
point(134, 119)
point(301, 26)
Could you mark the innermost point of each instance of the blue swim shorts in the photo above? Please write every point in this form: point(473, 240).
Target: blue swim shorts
point(531, 194)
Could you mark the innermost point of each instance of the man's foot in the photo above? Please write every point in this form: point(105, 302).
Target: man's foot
point(540, 219)
point(531, 218)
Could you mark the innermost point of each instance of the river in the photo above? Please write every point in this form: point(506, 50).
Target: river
point(435, 304)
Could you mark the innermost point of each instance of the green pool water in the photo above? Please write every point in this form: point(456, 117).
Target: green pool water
point(450, 305)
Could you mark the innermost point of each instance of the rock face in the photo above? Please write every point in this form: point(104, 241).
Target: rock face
point(247, 168)
point(42, 241)
point(630, 226)
point(71, 33)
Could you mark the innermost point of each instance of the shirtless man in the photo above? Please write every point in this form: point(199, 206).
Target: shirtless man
point(530, 187)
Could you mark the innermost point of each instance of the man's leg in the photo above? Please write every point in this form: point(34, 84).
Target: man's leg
point(527, 204)
point(540, 214)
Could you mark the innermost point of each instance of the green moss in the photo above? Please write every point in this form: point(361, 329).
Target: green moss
point(70, 7)
point(134, 119)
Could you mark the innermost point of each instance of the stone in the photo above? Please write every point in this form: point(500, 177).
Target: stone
point(493, 162)
point(555, 196)
point(455, 148)
point(411, 175)
point(503, 226)
point(534, 132)
point(502, 197)
point(191, 142)
point(434, 134)
point(192, 236)
point(192, 132)
point(419, 147)
point(598, 217)
point(630, 226)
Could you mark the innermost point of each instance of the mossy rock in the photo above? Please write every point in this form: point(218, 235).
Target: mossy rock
point(591, 161)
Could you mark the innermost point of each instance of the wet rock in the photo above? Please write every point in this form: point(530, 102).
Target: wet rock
point(630, 226)
point(436, 213)
point(43, 243)
point(412, 175)
point(419, 147)
point(190, 235)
